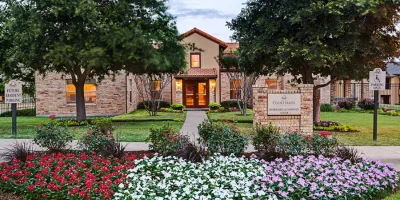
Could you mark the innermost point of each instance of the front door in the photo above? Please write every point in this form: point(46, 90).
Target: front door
point(196, 94)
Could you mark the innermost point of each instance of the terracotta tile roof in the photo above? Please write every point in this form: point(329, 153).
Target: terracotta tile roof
point(199, 73)
point(206, 35)
point(232, 46)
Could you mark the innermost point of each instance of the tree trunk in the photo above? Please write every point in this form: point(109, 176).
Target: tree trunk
point(80, 100)
point(316, 105)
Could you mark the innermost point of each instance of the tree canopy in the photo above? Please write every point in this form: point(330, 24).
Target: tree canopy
point(338, 38)
point(88, 39)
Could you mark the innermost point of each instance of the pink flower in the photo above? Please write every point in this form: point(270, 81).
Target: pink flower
point(325, 133)
point(52, 116)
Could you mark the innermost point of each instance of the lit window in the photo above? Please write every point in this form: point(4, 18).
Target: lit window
point(155, 89)
point(235, 89)
point(89, 91)
point(272, 84)
point(195, 60)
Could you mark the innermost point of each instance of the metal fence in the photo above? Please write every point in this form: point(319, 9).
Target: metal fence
point(27, 107)
point(358, 91)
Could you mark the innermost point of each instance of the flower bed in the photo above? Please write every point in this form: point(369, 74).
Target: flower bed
point(57, 176)
point(240, 178)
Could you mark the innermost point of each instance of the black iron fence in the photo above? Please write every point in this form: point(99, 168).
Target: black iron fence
point(358, 91)
point(26, 108)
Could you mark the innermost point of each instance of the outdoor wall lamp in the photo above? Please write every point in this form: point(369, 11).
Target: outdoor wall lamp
point(178, 85)
point(212, 84)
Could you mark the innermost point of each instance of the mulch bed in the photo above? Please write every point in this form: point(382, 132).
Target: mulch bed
point(9, 196)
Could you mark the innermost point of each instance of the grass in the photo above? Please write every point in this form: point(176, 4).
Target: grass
point(133, 127)
point(232, 116)
point(143, 115)
point(388, 128)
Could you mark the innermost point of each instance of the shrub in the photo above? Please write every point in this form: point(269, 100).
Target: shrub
point(163, 104)
point(340, 128)
point(164, 140)
point(25, 112)
point(366, 104)
point(327, 123)
point(52, 137)
point(230, 104)
point(177, 106)
point(346, 104)
point(294, 144)
point(265, 137)
point(326, 107)
point(214, 106)
point(348, 153)
point(19, 151)
point(97, 136)
point(223, 138)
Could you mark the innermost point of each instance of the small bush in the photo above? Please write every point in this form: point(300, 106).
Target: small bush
point(177, 106)
point(326, 107)
point(52, 137)
point(25, 112)
point(327, 123)
point(223, 138)
point(113, 148)
point(163, 104)
point(19, 151)
point(230, 104)
point(265, 137)
point(97, 136)
point(164, 140)
point(214, 106)
point(294, 144)
point(345, 104)
point(366, 104)
point(348, 153)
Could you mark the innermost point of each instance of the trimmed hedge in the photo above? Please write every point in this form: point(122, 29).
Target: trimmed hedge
point(233, 104)
point(26, 112)
point(163, 104)
point(326, 107)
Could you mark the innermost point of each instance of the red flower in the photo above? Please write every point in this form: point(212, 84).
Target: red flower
point(44, 195)
point(52, 116)
point(82, 194)
point(31, 187)
point(166, 134)
point(325, 133)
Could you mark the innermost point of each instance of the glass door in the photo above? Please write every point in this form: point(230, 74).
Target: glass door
point(190, 91)
point(196, 94)
point(202, 94)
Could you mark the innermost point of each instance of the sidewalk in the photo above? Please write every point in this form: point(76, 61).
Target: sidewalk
point(386, 154)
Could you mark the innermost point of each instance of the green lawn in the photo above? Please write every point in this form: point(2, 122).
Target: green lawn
point(388, 128)
point(143, 115)
point(232, 116)
point(133, 127)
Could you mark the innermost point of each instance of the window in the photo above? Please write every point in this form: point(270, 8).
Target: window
point(155, 89)
point(387, 86)
point(89, 91)
point(235, 89)
point(271, 84)
point(195, 60)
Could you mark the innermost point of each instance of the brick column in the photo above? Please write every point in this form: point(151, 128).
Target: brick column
point(260, 104)
point(306, 119)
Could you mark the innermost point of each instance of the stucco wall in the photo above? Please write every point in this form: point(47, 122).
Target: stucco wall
point(51, 96)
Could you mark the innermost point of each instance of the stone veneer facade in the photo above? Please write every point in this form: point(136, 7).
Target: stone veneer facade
point(303, 122)
point(111, 96)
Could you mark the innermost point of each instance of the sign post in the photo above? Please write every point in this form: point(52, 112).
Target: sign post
point(13, 95)
point(377, 81)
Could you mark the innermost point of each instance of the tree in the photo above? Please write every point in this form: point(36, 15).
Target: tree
point(242, 79)
point(87, 39)
point(338, 38)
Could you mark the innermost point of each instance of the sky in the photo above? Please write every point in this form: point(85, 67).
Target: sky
point(209, 16)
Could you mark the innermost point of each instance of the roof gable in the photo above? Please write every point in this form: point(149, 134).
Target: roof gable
point(206, 35)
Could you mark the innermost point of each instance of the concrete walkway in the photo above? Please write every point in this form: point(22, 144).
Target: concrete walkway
point(386, 154)
point(193, 119)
